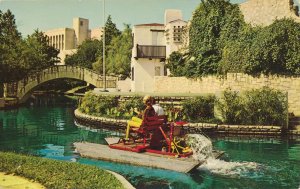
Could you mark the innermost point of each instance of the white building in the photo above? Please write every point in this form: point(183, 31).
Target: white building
point(66, 40)
point(152, 45)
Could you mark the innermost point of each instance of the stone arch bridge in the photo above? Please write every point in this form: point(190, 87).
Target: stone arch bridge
point(22, 89)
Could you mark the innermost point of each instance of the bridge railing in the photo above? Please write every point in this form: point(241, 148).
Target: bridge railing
point(19, 88)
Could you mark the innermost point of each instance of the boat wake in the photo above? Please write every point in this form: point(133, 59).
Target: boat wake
point(202, 151)
point(231, 169)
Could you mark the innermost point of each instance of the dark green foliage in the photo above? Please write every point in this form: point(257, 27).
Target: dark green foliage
point(176, 64)
point(270, 50)
point(236, 53)
point(10, 47)
point(199, 109)
point(256, 107)
point(37, 54)
point(57, 174)
point(19, 57)
point(266, 107)
point(220, 42)
point(214, 23)
point(87, 53)
point(111, 31)
point(119, 54)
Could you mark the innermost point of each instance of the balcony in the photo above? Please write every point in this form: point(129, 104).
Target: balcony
point(150, 51)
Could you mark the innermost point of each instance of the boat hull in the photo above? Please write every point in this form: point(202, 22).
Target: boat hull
point(104, 152)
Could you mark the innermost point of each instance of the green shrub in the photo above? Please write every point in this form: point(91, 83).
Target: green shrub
point(265, 107)
point(255, 107)
point(199, 108)
point(126, 108)
point(109, 106)
point(98, 105)
point(231, 107)
point(57, 174)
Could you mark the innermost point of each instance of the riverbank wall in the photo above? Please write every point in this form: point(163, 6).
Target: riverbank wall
point(8, 103)
point(120, 124)
point(236, 82)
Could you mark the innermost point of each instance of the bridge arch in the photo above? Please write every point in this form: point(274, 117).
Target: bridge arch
point(23, 88)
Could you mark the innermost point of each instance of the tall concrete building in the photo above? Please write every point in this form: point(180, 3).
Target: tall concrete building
point(66, 40)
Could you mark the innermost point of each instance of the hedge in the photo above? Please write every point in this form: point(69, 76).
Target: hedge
point(57, 174)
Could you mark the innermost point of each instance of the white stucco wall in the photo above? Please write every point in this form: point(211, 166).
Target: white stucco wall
point(144, 72)
point(172, 45)
point(172, 14)
point(144, 36)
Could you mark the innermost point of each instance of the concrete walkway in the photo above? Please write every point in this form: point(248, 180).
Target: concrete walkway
point(16, 182)
point(125, 183)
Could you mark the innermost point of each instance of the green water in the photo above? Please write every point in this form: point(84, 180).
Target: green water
point(47, 129)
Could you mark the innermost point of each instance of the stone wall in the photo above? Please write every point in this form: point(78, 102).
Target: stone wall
point(118, 124)
point(264, 12)
point(235, 81)
point(124, 85)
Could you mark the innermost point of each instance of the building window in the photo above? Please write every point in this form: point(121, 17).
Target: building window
point(81, 23)
point(132, 73)
point(177, 35)
point(157, 71)
point(155, 38)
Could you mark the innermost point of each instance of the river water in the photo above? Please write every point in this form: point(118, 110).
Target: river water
point(46, 128)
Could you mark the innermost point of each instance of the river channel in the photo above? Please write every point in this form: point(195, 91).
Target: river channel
point(45, 127)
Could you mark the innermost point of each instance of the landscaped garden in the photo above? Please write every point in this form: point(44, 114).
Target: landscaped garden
point(264, 106)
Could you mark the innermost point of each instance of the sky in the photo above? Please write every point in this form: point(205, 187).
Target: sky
point(51, 14)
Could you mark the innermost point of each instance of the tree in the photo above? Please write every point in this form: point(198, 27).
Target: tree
point(270, 50)
point(111, 32)
point(119, 54)
point(87, 53)
point(176, 64)
point(37, 54)
point(10, 40)
point(214, 22)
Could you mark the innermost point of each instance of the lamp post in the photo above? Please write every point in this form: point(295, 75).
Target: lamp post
point(104, 74)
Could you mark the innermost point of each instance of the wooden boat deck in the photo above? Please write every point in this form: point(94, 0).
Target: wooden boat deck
point(104, 152)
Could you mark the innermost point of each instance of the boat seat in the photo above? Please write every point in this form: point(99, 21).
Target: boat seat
point(153, 122)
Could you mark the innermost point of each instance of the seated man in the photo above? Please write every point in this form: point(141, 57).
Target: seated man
point(158, 109)
point(148, 112)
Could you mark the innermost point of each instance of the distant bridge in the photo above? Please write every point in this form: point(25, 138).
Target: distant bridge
point(22, 89)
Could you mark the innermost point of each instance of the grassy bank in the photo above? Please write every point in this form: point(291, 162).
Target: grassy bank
point(57, 174)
